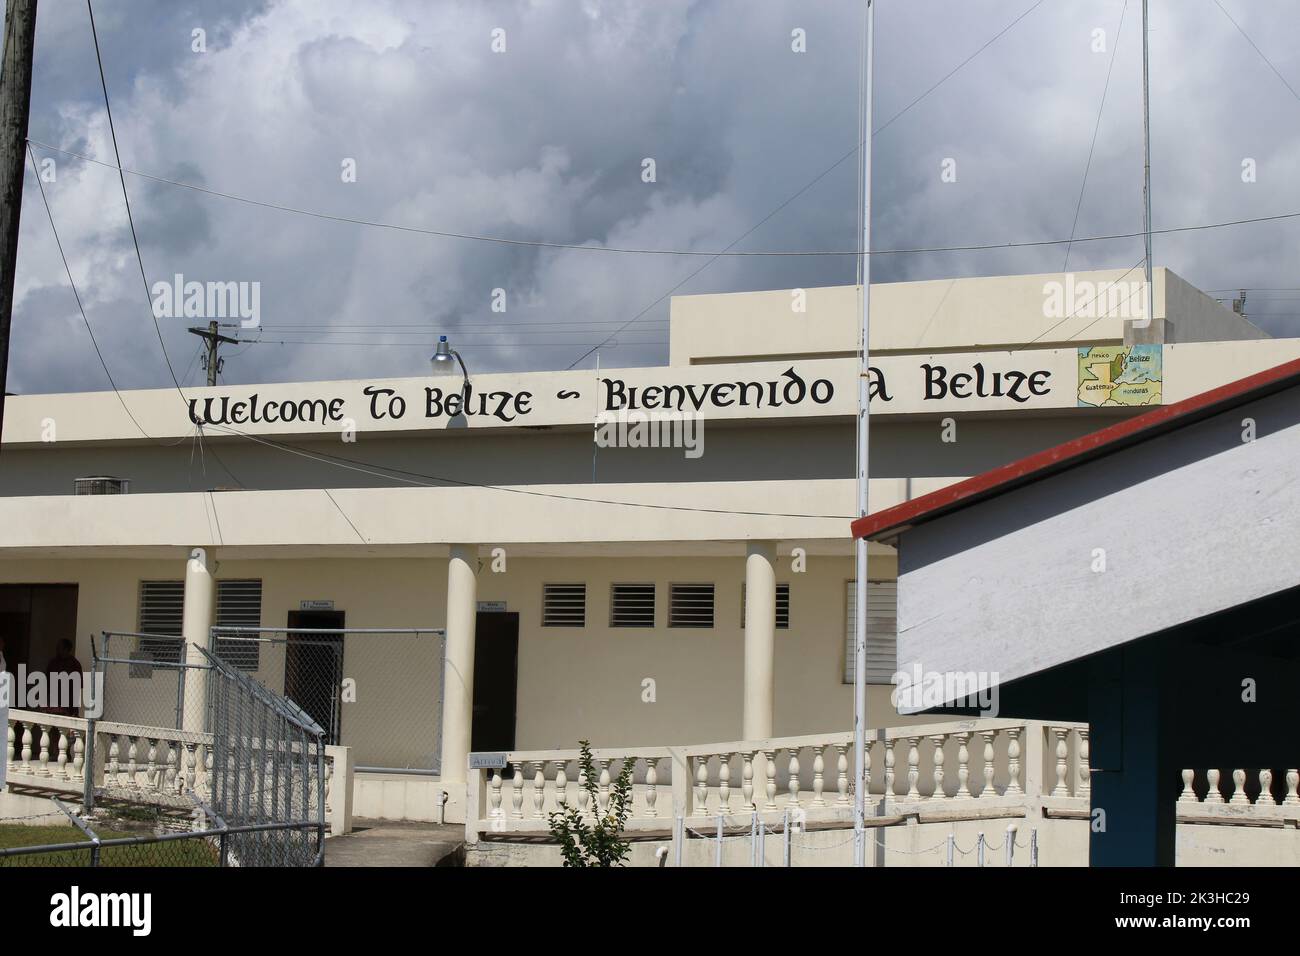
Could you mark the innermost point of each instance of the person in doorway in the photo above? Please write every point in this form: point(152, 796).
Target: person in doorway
point(63, 662)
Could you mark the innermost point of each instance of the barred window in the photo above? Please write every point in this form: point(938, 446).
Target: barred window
point(632, 605)
point(690, 605)
point(782, 606)
point(882, 631)
point(564, 605)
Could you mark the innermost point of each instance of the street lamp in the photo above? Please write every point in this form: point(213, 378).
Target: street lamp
point(441, 362)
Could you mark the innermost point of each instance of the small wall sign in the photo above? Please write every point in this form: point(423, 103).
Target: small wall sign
point(487, 761)
point(315, 605)
point(491, 607)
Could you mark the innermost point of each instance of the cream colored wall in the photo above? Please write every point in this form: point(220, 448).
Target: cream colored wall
point(572, 683)
point(936, 314)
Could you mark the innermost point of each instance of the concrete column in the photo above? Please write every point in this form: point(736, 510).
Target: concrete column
point(196, 624)
point(760, 639)
point(458, 671)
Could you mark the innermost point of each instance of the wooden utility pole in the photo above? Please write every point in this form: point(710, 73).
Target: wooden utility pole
point(214, 340)
point(15, 105)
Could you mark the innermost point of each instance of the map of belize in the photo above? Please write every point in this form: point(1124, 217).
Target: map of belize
point(1111, 375)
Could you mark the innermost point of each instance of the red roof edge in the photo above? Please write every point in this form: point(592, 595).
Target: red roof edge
point(891, 521)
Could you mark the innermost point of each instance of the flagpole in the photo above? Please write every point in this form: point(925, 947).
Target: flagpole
point(864, 418)
point(1146, 178)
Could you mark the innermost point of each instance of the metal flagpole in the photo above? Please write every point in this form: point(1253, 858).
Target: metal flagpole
point(864, 418)
point(1146, 181)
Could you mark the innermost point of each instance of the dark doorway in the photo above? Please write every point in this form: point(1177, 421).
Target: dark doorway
point(496, 661)
point(33, 619)
point(313, 668)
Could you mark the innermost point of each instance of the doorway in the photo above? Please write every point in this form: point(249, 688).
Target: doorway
point(33, 619)
point(313, 668)
point(496, 678)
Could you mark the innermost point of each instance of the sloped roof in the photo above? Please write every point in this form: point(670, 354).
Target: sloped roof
point(891, 522)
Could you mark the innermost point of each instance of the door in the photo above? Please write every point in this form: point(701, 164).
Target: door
point(496, 660)
point(313, 668)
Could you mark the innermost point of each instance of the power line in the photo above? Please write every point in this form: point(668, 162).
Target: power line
point(1255, 47)
point(77, 295)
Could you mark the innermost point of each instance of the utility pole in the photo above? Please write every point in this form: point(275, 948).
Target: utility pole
point(1146, 178)
point(15, 105)
point(214, 339)
point(864, 477)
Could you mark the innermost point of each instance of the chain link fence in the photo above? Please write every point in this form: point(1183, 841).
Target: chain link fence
point(105, 840)
point(183, 727)
point(378, 691)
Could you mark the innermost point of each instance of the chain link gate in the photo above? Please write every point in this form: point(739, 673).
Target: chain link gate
point(377, 690)
point(182, 727)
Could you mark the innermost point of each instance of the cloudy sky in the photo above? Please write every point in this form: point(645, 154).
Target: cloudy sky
point(546, 141)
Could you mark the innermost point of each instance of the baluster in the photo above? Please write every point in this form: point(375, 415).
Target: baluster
point(1239, 787)
point(1189, 793)
point(938, 792)
point(701, 807)
point(651, 786)
point(602, 795)
point(10, 756)
point(562, 785)
point(1062, 762)
point(747, 781)
point(176, 766)
point(112, 768)
point(988, 736)
point(1292, 788)
point(724, 783)
point(1085, 772)
point(539, 789)
point(889, 768)
point(1213, 795)
point(1013, 761)
point(913, 768)
point(584, 797)
point(27, 747)
point(964, 791)
point(78, 755)
point(329, 786)
point(190, 773)
point(1266, 789)
point(819, 775)
point(770, 772)
point(866, 768)
point(131, 768)
point(517, 791)
point(43, 757)
point(151, 771)
point(842, 774)
point(792, 785)
point(494, 794)
point(62, 763)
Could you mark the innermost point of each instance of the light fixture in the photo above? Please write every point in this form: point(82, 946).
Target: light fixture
point(441, 361)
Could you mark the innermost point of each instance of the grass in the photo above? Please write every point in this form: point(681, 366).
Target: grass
point(177, 853)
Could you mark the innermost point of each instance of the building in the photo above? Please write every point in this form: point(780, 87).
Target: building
point(1144, 580)
point(633, 596)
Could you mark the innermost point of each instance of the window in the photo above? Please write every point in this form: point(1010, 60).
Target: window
point(632, 605)
point(239, 604)
point(564, 605)
point(782, 606)
point(882, 631)
point(690, 605)
point(161, 606)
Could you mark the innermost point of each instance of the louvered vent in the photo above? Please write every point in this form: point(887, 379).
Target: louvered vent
point(882, 632)
point(632, 605)
point(239, 604)
point(564, 605)
point(691, 605)
point(782, 606)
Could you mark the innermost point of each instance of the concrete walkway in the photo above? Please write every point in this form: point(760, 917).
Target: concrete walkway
point(390, 843)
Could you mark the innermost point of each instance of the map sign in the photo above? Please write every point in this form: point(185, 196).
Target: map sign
point(1115, 375)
